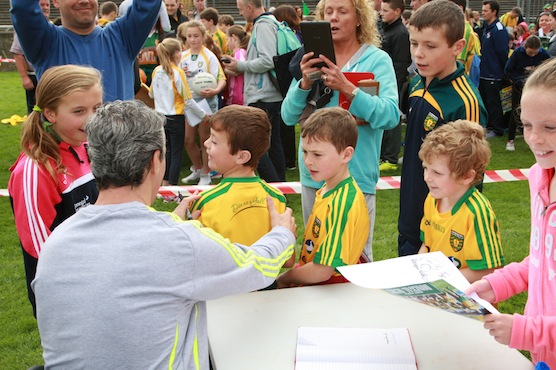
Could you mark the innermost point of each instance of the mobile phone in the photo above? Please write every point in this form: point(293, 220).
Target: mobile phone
point(225, 60)
point(317, 38)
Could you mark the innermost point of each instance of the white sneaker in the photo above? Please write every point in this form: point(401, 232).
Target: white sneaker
point(195, 175)
point(510, 146)
point(205, 179)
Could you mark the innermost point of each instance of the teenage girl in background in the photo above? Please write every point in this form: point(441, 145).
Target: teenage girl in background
point(196, 59)
point(52, 179)
point(172, 97)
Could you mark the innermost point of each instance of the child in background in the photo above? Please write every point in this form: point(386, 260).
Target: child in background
point(440, 93)
point(458, 219)
point(52, 179)
point(286, 13)
point(237, 42)
point(209, 18)
point(213, 46)
point(225, 21)
point(519, 66)
point(338, 227)
point(535, 330)
point(196, 59)
point(172, 97)
point(236, 208)
point(108, 13)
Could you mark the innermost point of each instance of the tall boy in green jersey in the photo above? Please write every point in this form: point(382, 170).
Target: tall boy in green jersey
point(440, 93)
point(458, 219)
point(236, 208)
point(338, 227)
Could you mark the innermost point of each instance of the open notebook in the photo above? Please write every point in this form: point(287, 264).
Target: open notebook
point(320, 348)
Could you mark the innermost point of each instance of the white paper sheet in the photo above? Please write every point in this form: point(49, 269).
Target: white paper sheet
point(408, 270)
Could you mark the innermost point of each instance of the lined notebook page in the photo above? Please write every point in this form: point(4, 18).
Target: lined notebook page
point(321, 348)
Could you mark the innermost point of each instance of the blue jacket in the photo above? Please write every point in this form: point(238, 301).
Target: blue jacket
point(381, 112)
point(516, 67)
point(111, 50)
point(494, 50)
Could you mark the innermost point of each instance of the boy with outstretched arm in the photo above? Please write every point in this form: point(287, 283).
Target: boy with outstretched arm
point(337, 229)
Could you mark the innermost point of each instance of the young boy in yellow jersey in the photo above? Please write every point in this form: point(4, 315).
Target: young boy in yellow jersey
point(209, 19)
point(338, 227)
point(236, 208)
point(458, 219)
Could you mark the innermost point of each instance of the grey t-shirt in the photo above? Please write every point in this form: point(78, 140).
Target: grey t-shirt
point(124, 286)
point(16, 49)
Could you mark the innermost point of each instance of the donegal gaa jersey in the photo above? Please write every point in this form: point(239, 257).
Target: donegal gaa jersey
point(205, 61)
point(236, 208)
point(337, 228)
point(469, 234)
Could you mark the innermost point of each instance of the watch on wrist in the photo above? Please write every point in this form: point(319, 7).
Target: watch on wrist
point(353, 93)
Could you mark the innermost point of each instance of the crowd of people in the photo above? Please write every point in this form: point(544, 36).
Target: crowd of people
point(96, 254)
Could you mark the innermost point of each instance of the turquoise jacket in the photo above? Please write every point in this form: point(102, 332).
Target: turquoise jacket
point(381, 112)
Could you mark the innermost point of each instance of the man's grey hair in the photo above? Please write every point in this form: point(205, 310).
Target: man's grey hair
point(123, 136)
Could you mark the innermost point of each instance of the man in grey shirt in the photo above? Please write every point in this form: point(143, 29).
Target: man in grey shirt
point(121, 285)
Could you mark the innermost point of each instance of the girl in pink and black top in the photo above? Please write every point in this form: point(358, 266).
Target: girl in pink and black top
point(535, 330)
point(52, 179)
point(237, 42)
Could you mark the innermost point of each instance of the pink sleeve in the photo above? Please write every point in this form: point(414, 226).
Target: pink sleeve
point(510, 280)
point(241, 54)
point(534, 333)
point(35, 196)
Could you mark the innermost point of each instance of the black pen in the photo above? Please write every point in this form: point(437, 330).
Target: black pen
point(187, 212)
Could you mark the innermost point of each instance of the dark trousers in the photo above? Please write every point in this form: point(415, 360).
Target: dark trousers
point(287, 135)
point(30, 265)
point(517, 90)
point(30, 94)
point(175, 136)
point(272, 165)
point(391, 144)
point(405, 247)
point(490, 92)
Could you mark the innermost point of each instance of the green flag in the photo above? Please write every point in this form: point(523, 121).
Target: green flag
point(306, 10)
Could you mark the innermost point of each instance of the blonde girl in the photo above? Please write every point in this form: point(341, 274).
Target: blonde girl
point(172, 97)
point(52, 178)
point(535, 330)
point(196, 59)
point(237, 42)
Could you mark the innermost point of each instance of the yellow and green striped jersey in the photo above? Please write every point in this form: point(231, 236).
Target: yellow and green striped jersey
point(338, 227)
point(469, 234)
point(237, 209)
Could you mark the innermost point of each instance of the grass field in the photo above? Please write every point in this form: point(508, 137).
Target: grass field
point(19, 340)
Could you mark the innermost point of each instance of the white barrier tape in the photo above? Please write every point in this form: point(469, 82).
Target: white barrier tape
point(384, 183)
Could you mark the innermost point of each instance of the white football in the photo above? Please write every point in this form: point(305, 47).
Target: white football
point(203, 80)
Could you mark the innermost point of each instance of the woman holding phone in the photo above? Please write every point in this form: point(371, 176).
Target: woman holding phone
point(356, 42)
